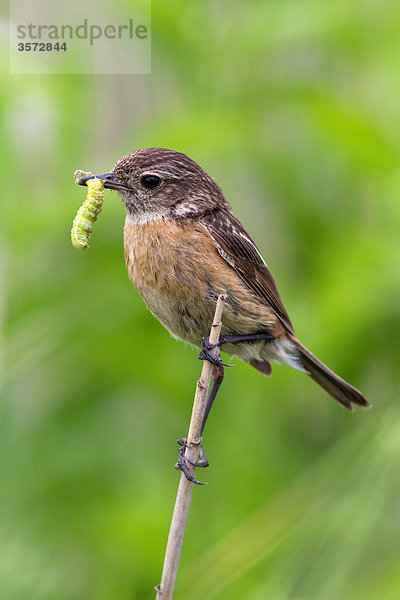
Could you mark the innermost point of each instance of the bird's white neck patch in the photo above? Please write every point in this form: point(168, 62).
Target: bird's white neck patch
point(145, 218)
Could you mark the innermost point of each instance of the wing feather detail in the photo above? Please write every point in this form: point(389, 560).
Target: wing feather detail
point(240, 252)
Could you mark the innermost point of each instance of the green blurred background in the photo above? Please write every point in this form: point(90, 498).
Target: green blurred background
point(293, 107)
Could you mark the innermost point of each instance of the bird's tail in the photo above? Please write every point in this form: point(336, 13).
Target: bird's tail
point(337, 387)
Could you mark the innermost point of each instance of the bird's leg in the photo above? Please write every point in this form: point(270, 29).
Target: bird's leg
point(205, 353)
point(247, 337)
point(217, 375)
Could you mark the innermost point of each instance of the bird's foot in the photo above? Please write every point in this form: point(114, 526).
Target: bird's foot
point(205, 353)
point(202, 461)
point(182, 464)
point(215, 359)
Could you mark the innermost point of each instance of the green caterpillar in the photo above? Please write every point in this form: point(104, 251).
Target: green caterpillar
point(82, 227)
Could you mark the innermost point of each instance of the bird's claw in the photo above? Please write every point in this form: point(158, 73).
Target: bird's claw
point(182, 466)
point(202, 461)
point(205, 353)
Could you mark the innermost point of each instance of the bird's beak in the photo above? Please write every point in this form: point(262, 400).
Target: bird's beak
point(110, 181)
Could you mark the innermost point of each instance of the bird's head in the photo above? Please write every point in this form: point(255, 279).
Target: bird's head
point(156, 183)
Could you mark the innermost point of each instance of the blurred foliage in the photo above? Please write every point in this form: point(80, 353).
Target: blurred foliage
point(293, 107)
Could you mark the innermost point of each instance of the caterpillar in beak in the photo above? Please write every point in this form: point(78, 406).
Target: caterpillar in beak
point(82, 227)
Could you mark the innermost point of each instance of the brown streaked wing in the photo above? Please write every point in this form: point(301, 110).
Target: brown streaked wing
point(240, 252)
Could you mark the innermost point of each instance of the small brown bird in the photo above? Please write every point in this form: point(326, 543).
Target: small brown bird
point(184, 247)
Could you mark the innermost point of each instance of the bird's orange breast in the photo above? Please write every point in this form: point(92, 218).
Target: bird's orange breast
point(176, 268)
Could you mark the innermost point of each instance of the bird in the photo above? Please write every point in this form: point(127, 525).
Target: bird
point(184, 247)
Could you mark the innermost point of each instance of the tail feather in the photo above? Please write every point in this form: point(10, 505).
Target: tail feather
point(337, 387)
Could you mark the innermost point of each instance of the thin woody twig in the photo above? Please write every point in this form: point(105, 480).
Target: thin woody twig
point(177, 530)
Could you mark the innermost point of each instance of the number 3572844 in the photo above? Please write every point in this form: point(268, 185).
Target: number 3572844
point(41, 47)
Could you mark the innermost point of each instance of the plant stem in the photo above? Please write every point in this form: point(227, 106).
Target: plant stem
point(177, 530)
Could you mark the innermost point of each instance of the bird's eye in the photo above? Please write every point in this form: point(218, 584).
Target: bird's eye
point(150, 181)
